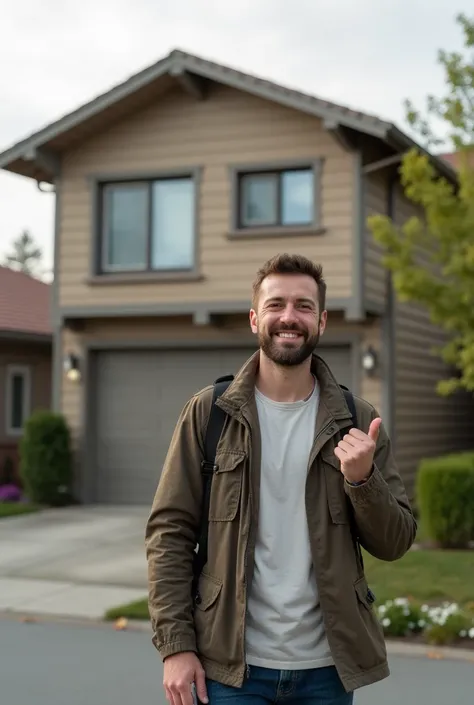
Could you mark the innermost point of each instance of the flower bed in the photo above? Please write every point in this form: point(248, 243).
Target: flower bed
point(445, 624)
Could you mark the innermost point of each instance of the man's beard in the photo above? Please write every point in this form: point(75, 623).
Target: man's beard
point(288, 355)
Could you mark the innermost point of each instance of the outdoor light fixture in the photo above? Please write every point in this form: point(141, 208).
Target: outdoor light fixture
point(369, 360)
point(71, 367)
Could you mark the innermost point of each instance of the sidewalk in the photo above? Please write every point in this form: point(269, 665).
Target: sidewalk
point(62, 599)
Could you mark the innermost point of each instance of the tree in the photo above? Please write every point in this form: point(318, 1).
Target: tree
point(442, 278)
point(25, 254)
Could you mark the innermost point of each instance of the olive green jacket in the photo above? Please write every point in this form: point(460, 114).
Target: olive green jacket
point(214, 624)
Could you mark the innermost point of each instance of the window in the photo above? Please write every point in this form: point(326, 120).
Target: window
point(148, 225)
point(276, 198)
point(18, 399)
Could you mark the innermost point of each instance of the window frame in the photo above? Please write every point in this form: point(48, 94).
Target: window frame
point(100, 271)
point(11, 372)
point(237, 172)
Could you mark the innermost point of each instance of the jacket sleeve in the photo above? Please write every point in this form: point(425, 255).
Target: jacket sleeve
point(386, 524)
point(171, 534)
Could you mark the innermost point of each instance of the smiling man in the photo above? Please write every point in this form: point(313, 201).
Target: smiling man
point(282, 610)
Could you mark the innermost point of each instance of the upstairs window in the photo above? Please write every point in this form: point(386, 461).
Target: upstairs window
point(148, 226)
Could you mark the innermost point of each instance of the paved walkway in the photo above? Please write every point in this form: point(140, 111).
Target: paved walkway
point(78, 561)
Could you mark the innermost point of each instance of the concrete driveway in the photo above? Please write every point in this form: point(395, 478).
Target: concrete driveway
point(74, 561)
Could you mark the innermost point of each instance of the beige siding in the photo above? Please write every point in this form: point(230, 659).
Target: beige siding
point(425, 423)
point(375, 198)
point(227, 129)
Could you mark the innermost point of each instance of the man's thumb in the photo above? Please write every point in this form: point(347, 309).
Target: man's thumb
point(374, 429)
point(201, 689)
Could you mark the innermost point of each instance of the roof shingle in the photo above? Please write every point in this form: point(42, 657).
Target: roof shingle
point(25, 305)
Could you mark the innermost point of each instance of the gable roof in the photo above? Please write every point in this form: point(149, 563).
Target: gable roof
point(25, 305)
point(26, 157)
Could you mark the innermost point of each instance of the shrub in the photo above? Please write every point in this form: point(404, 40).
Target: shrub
point(445, 497)
point(46, 459)
point(400, 617)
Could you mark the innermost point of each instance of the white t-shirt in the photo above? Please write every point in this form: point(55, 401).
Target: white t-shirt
point(284, 622)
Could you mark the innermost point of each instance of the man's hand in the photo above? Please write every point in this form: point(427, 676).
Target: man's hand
point(356, 452)
point(180, 672)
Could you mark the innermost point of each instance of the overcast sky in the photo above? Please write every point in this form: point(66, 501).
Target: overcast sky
point(57, 54)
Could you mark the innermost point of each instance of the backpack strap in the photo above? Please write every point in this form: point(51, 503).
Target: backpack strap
point(214, 429)
point(349, 397)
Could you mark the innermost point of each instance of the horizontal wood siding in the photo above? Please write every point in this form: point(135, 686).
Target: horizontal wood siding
point(426, 424)
point(227, 129)
point(375, 199)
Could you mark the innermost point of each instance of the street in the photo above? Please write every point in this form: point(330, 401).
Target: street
point(63, 664)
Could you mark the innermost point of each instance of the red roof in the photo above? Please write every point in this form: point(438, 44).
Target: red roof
point(25, 305)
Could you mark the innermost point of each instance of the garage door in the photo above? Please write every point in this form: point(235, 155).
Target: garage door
point(138, 396)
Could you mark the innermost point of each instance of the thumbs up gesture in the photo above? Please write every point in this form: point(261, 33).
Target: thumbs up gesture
point(356, 452)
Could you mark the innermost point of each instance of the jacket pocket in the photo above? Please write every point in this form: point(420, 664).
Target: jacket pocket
point(370, 636)
point(226, 485)
point(209, 589)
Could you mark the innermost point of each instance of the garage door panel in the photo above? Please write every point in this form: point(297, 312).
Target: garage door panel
point(138, 398)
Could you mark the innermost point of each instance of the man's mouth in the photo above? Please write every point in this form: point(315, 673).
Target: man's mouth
point(288, 334)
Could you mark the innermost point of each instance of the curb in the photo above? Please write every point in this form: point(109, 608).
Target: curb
point(447, 653)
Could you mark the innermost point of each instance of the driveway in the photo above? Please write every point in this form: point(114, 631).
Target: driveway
point(74, 561)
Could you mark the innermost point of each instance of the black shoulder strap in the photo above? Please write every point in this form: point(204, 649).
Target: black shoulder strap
point(349, 397)
point(214, 429)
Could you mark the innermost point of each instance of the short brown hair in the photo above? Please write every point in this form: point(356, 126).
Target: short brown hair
point(291, 264)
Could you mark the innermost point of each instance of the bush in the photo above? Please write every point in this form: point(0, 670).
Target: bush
point(400, 617)
point(46, 459)
point(445, 498)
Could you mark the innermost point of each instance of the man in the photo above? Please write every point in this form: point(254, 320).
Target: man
point(283, 609)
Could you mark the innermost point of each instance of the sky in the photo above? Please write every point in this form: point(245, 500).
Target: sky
point(56, 55)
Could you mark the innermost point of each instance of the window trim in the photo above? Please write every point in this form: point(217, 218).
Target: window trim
point(98, 273)
point(11, 371)
point(238, 231)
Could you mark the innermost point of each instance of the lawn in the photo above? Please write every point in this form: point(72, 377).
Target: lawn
point(12, 509)
point(430, 576)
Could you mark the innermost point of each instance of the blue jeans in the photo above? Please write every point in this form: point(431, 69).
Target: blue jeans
point(262, 686)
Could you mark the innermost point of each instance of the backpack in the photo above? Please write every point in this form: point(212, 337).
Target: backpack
point(214, 429)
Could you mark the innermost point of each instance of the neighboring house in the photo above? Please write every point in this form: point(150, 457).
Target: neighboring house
point(172, 189)
point(25, 357)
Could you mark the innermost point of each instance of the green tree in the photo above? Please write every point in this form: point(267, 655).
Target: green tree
point(25, 254)
point(442, 278)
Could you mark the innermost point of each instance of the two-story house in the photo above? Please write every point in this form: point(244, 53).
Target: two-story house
point(171, 190)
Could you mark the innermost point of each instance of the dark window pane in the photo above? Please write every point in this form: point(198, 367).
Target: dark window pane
point(17, 401)
point(297, 197)
point(173, 220)
point(259, 199)
point(125, 226)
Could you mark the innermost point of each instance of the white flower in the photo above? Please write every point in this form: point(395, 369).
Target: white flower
point(411, 625)
point(386, 622)
point(401, 602)
point(422, 623)
point(406, 612)
point(425, 608)
point(382, 609)
point(471, 633)
point(463, 633)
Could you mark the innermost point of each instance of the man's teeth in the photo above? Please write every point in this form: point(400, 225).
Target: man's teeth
point(287, 335)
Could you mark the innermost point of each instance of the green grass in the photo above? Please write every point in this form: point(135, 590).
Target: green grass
point(12, 509)
point(428, 576)
point(132, 610)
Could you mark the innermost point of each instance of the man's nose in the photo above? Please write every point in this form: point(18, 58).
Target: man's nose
point(288, 315)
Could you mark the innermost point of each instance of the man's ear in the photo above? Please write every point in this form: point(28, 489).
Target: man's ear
point(253, 321)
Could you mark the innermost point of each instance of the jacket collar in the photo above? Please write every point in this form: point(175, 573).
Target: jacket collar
point(241, 392)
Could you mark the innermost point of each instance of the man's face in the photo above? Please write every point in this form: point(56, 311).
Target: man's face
point(287, 319)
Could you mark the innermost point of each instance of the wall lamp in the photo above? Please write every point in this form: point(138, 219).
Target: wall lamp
point(71, 367)
point(369, 361)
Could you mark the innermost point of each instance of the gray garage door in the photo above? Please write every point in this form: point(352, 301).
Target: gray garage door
point(138, 396)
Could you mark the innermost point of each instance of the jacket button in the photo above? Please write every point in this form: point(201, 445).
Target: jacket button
point(198, 599)
point(330, 430)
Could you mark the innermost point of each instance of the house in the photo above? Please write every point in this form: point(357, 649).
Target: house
point(172, 189)
point(26, 339)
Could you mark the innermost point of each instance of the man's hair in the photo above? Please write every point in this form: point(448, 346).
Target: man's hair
point(291, 264)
